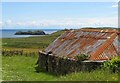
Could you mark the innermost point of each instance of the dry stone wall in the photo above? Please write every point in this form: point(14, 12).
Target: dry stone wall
point(60, 66)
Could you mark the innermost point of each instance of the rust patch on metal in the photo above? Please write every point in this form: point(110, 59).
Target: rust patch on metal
point(98, 44)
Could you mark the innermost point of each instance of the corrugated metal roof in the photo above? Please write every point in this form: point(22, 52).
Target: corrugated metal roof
point(98, 44)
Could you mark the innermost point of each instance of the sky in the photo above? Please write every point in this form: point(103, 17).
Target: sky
point(60, 0)
point(58, 15)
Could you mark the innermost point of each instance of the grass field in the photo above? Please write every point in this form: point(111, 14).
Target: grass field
point(23, 68)
point(39, 42)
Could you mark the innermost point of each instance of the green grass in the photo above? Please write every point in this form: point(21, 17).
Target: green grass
point(21, 68)
point(0, 67)
point(38, 42)
point(96, 75)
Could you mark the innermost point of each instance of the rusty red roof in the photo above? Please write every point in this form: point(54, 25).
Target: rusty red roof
point(98, 44)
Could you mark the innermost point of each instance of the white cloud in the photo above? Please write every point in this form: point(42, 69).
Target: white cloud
point(67, 22)
point(9, 21)
point(1, 24)
point(115, 5)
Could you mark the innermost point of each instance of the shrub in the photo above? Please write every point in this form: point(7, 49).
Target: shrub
point(82, 57)
point(113, 65)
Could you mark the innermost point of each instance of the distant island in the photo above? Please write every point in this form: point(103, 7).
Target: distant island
point(38, 32)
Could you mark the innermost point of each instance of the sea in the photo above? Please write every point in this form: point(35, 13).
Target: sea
point(10, 33)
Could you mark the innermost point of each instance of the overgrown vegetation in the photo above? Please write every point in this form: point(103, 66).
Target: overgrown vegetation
point(113, 65)
point(82, 57)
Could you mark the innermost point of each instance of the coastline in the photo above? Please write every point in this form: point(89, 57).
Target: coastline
point(9, 33)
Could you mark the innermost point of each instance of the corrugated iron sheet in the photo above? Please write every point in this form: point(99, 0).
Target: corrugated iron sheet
point(96, 43)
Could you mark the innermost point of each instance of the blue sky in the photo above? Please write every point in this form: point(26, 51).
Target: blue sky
point(60, 0)
point(58, 14)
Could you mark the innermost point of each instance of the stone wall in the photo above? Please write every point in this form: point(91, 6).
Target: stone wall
point(60, 66)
